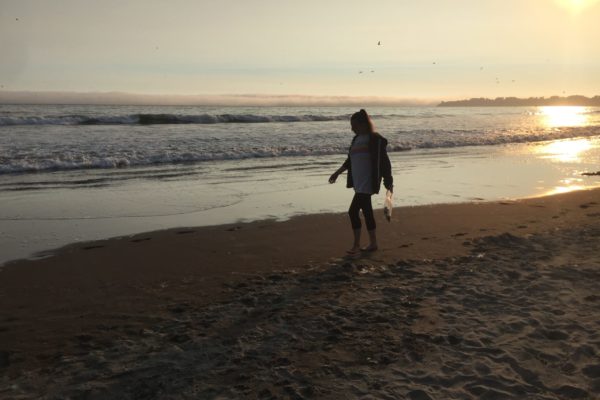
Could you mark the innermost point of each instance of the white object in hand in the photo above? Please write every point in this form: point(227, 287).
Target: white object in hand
point(387, 205)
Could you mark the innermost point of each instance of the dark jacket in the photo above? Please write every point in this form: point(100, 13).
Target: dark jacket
point(380, 163)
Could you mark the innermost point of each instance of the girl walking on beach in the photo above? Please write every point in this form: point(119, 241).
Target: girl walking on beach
point(367, 163)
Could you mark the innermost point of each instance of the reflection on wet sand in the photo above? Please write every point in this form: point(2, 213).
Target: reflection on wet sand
point(571, 150)
point(564, 189)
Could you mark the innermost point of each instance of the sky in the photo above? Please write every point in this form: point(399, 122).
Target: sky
point(426, 49)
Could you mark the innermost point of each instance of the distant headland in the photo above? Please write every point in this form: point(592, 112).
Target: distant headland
point(531, 101)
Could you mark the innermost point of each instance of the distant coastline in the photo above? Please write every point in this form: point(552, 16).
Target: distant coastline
point(529, 102)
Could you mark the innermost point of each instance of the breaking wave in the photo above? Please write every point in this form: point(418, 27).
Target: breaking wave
point(157, 119)
point(121, 155)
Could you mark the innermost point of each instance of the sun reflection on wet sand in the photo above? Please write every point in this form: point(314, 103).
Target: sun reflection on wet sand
point(570, 157)
point(563, 189)
point(564, 116)
point(571, 150)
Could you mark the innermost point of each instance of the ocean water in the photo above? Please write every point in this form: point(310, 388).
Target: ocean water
point(75, 173)
point(56, 138)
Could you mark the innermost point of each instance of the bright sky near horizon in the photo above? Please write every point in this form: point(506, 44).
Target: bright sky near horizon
point(428, 48)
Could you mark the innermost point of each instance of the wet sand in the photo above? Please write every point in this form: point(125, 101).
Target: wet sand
point(478, 300)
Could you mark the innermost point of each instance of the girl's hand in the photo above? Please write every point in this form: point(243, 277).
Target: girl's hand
point(333, 177)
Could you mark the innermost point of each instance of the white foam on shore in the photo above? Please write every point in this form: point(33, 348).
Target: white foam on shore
point(135, 151)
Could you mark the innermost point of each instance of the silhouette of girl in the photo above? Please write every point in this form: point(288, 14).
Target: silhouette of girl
point(367, 164)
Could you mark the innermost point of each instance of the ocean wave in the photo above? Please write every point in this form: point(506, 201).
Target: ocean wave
point(84, 161)
point(157, 119)
point(45, 160)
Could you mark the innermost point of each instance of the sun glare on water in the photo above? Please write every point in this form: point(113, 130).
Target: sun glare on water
point(563, 116)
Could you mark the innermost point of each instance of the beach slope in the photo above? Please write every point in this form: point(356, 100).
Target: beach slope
point(481, 300)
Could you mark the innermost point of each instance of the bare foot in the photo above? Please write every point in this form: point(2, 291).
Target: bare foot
point(353, 250)
point(369, 248)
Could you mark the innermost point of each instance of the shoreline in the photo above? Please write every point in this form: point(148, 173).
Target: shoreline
point(37, 220)
point(252, 224)
point(89, 297)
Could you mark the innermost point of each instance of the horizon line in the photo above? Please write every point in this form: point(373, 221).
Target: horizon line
point(28, 97)
point(241, 99)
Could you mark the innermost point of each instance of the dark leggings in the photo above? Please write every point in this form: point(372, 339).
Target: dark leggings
point(361, 201)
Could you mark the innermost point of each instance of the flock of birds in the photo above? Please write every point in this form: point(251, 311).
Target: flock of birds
point(435, 63)
point(360, 72)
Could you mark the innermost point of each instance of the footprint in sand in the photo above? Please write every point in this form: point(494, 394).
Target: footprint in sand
point(235, 228)
point(185, 232)
point(572, 392)
point(178, 308)
point(83, 338)
point(140, 240)
point(459, 234)
point(587, 205)
point(418, 395)
point(4, 359)
point(592, 371)
point(405, 245)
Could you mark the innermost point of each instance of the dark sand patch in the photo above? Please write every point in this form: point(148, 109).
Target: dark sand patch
point(140, 240)
point(93, 247)
point(185, 232)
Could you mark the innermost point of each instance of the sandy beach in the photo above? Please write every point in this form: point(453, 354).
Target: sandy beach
point(477, 300)
point(171, 227)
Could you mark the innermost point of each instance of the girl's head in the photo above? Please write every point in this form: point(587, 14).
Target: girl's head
point(361, 123)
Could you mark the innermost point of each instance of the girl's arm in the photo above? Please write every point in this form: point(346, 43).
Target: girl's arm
point(341, 169)
point(386, 171)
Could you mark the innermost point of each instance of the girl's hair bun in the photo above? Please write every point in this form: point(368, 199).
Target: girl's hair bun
point(361, 117)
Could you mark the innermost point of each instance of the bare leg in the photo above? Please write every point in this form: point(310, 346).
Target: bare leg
point(372, 241)
point(356, 246)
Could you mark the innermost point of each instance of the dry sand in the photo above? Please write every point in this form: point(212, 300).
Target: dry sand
point(467, 301)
